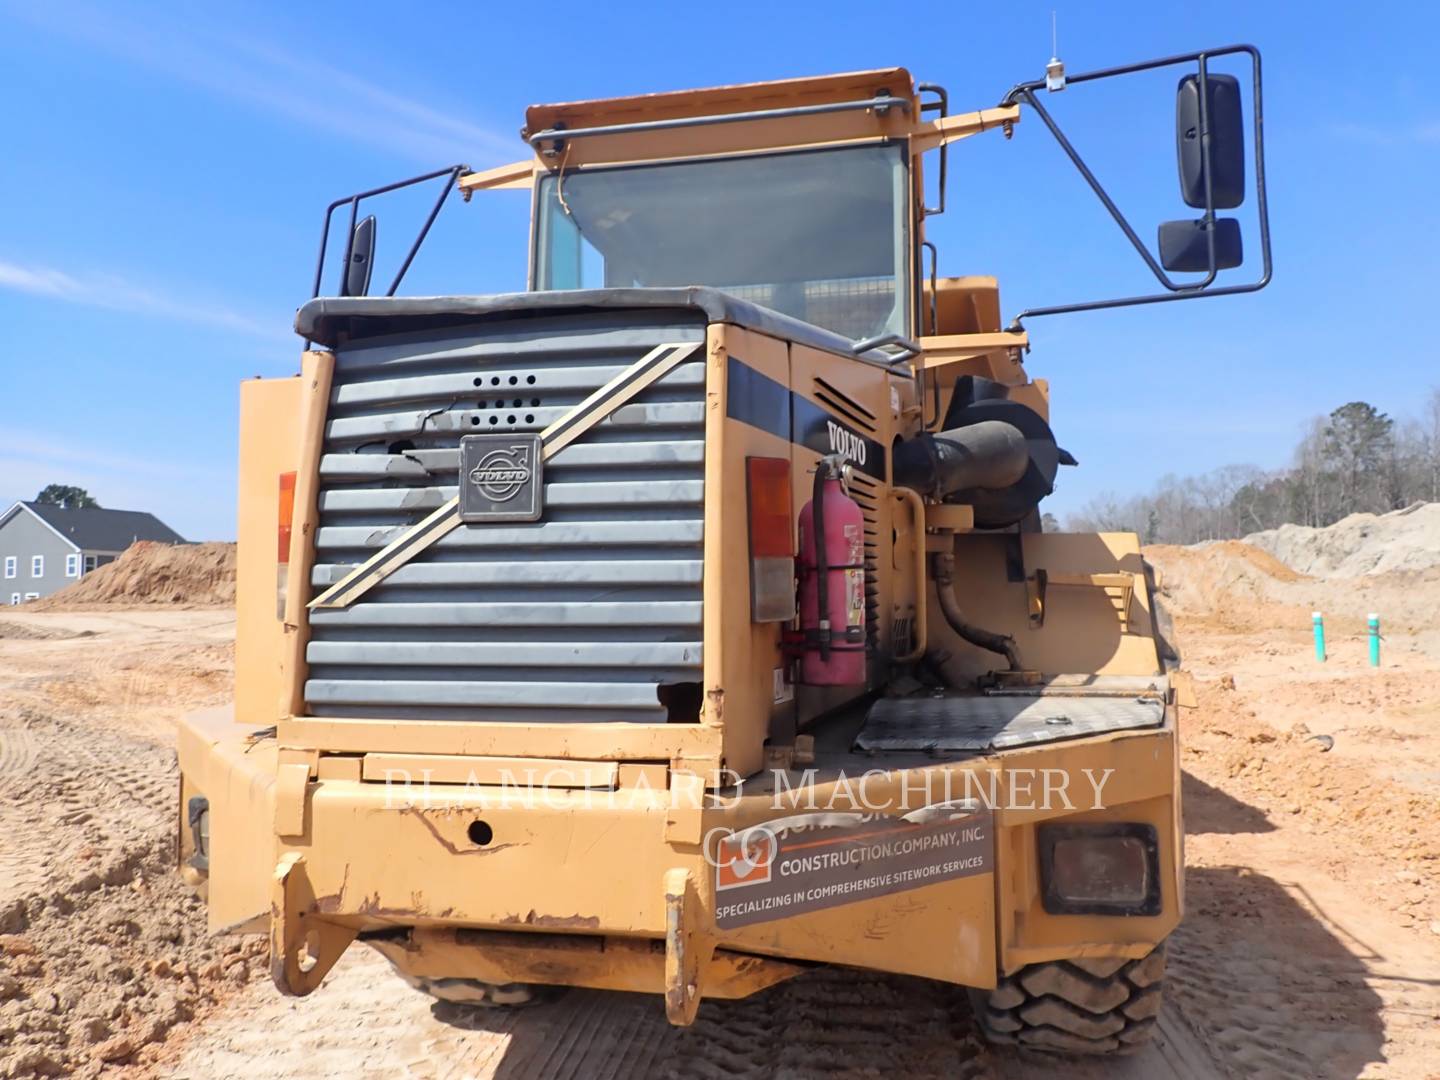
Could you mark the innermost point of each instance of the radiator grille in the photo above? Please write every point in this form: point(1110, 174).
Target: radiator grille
point(585, 615)
point(866, 492)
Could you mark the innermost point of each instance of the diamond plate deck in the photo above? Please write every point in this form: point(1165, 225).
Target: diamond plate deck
point(998, 723)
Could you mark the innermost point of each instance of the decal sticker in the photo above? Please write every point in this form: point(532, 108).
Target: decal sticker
point(800, 864)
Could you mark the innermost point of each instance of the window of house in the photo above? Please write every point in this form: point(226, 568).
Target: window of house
point(10, 566)
point(89, 563)
point(37, 566)
point(32, 596)
point(14, 598)
point(72, 565)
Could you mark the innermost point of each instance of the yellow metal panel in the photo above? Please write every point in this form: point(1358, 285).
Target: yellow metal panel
point(946, 129)
point(738, 97)
point(525, 772)
point(944, 931)
point(734, 137)
point(269, 446)
point(339, 767)
point(601, 742)
point(517, 175)
point(581, 861)
point(1038, 936)
point(739, 137)
point(946, 348)
point(740, 655)
point(316, 374)
point(1081, 633)
point(237, 775)
point(950, 516)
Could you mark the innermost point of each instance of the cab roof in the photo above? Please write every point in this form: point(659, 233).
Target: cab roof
point(742, 97)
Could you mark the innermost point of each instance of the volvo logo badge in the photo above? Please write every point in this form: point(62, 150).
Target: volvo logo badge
point(500, 478)
point(502, 473)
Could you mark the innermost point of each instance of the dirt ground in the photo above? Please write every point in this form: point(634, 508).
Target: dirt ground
point(1311, 945)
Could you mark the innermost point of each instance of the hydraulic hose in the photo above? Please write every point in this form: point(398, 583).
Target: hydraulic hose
point(942, 569)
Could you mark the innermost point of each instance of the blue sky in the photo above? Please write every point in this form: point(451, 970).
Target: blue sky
point(165, 168)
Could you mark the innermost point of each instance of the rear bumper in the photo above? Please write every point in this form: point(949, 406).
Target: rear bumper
point(617, 886)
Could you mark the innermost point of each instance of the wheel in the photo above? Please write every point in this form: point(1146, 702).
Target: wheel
point(475, 992)
point(1162, 621)
point(461, 991)
point(1076, 1006)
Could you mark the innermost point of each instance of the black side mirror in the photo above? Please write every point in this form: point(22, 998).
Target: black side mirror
point(1227, 141)
point(1185, 246)
point(362, 259)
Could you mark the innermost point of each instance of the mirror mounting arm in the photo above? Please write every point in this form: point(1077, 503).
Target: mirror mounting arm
point(454, 173)
point(1024, 93)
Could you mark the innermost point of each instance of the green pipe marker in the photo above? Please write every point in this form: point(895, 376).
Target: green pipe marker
point(1374, 626)
point(1319, 621)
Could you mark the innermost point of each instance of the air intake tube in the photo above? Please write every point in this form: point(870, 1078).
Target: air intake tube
point(994, 454)
point(990, 454)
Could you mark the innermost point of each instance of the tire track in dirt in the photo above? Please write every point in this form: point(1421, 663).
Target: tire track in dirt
point(102, 950)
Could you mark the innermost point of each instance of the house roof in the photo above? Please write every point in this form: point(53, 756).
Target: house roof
point(101, 530)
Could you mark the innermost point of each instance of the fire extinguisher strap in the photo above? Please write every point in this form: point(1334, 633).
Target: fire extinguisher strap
point(839, 639)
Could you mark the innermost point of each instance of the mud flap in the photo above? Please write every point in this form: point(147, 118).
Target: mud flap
point(303, 948)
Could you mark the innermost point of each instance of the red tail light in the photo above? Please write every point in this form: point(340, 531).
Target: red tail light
point(286, 521)
point(287, 514)
point(772, 540)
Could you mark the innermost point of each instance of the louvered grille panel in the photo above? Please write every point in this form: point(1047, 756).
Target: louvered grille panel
point(866, 493)
point(581, 616)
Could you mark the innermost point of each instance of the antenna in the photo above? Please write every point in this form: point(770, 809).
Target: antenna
point(1055, 69)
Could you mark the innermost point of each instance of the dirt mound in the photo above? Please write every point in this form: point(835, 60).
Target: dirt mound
point(144, 964)
point(28, 632)
point(176, 575)
point(1234, 585)
point(1359, 545)
point(1229, 580)
point(103, 951)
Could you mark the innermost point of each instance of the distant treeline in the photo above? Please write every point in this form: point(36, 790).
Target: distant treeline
point(1355, 459)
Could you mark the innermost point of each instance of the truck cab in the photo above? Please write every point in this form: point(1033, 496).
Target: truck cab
point(685, 621)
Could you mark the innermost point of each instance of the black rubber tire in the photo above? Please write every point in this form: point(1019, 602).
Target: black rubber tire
point(1075, 1006)
point(1162, 621)
point(482, 994)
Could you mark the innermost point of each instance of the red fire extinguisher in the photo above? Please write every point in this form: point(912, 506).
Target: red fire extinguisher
point(832, 583)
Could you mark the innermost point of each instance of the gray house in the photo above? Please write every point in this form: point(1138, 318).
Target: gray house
point(44, 547)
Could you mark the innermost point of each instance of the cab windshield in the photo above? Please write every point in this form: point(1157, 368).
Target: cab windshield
point(821, 235)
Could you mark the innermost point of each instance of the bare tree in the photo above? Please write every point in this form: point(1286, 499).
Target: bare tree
point(1354, 459)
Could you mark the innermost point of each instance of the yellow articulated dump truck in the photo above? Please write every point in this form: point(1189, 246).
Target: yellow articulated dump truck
point(686, 621)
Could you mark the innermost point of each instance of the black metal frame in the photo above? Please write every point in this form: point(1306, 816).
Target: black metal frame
point(941, 104)
point(454, 172)
point(1024, 93)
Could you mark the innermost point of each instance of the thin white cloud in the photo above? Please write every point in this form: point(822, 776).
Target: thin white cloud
point(117, 294)
point(299, 88)
point(1383, 135)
